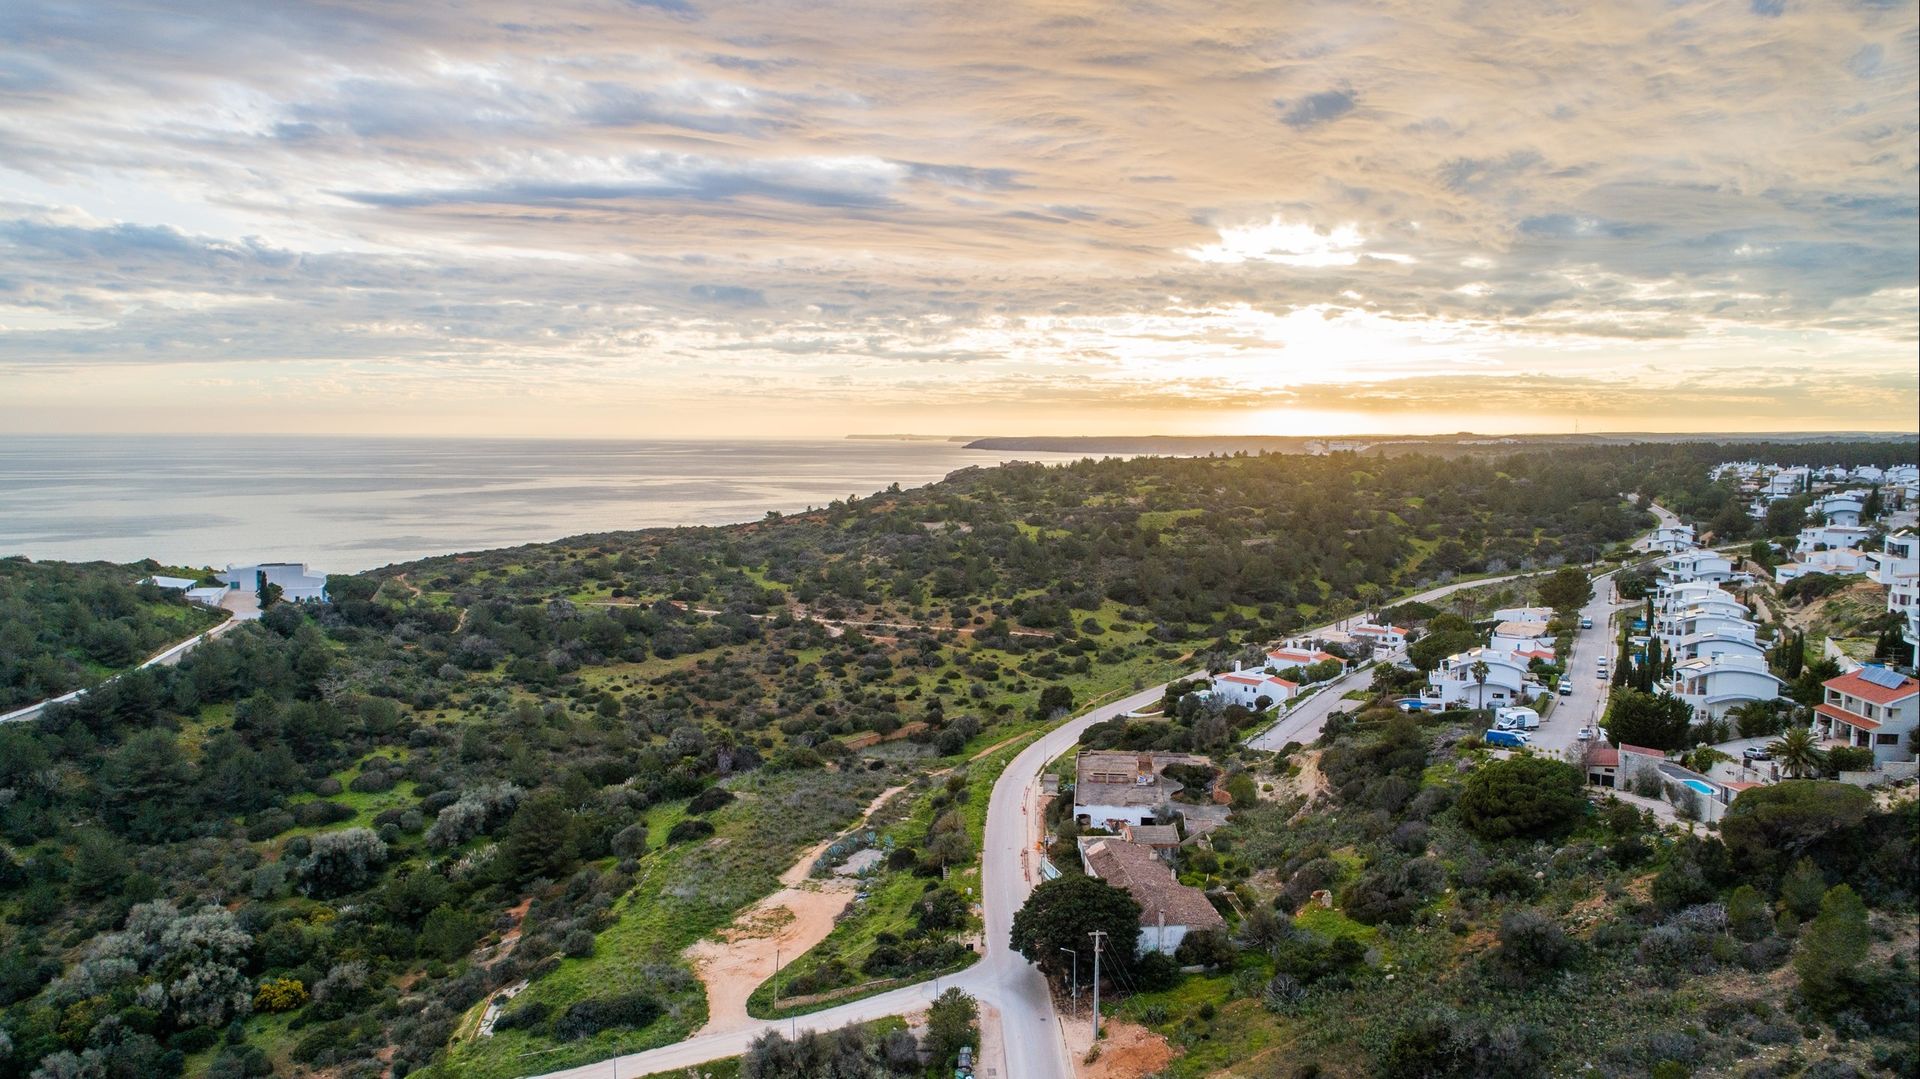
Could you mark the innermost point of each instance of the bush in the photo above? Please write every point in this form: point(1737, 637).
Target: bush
point(1849, 759)
point(320, 814)
point(280, 995)
point(1522, 797)
point(1156, 971)
point(1283, 994)
point(1532, 943)
point(709, 800)
point(688, 830)
point(526, 1017)
point(585, 1018)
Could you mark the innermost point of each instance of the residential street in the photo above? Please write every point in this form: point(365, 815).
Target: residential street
point(1560, 729)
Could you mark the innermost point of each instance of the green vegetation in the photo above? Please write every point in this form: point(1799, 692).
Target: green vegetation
point(476, 771)
point(1493, 926)
point(65, 626)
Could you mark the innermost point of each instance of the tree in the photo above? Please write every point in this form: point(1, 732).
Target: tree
point(1803, 889)
point(1480, 671)
point(1427, 652)
point(144, 784)
point(1644, 719)
point(1061, 913)
point(447, 934)
point(540, 839)
point(341, 862)
point(1566, 589)
point(1747, 914)
point(1522, 797)
point(952, 1022)
point(1796, 752)
point(1769, 828)
point(1832, 950)
point(1532, 943)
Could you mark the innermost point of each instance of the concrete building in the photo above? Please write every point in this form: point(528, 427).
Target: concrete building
point(1114, 787)
point(297, 585)
point(1695, 565)
point(1528, 637)
point(1453, 684)
point(1248, 688)
point(1712, 685)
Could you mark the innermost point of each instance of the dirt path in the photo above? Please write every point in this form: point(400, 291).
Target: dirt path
point(733, 962)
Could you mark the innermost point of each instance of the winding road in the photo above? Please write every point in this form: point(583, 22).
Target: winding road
point(1029, 1039)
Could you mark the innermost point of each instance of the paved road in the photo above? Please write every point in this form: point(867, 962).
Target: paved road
point(1560, 731)
point(1002, 981)
point(242, 606)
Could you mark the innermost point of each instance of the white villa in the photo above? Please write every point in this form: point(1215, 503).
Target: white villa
point(1701, 622)
point(1696, 565)
point(1842, 508)
point(296, 583)
point(1823, 537)
point(1248, 688)
point(1671, 538)
point(1788, 482)
point(1523, 614)
point(1839, 561)
point(1897, 566)
point(1114, 787)
point(1388, 637)
point(1709, 645)
point(1299, 656)
point(1528, 638)
point(1712, 685)
point(1453, 684)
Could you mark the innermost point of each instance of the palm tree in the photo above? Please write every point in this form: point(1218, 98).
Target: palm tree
point(1796, 751)
point(1480, 671)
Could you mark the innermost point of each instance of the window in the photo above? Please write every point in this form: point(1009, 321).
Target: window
point(1871, 712)
point(1886, 739)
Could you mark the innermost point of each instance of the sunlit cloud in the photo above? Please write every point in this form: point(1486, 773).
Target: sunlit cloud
point(610, 219)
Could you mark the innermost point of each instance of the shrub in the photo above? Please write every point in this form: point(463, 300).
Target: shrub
point(1532, 943)
point(688, 830)
point(527, 1016)
point(280, 995)
point(585, 1018)
point(709, 800)
point(1748, 915)
point(1156, 971)
point(1283, 994)
point(579, 944)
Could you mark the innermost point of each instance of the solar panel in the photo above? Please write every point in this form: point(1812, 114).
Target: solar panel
point(1882, 677)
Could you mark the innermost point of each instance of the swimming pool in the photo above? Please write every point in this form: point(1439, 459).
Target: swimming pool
point(1703, 788)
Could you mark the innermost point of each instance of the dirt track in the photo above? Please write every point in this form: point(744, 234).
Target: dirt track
point(733, 962)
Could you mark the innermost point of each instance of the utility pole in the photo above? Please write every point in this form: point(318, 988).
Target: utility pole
point(1099, 938)
point(1076, 980)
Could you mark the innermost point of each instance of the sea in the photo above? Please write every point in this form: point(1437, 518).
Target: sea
point(342, 505)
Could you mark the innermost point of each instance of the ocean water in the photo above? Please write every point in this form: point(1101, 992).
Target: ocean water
point(348, 504)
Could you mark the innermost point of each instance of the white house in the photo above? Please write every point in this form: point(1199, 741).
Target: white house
point(1299, 656)
point(1709, 645)
point(1903, 475)
point(1523, 614)
point(1388, 637)
point(210, 596)
point(1788, 482)
point(1821, 537)
point(1529, 637)
point(1712, 685)
point(1169, 910)
point(1898, 557)
point(1868, 474)
point(296, 584)
point(178, 584)
point(1871, 708)
point(1696, 565)
point(1842, 508)
point(1453, 683)
point(1686, 593)
point(1694, 622)
point(1839, 561)
point(1671, 538)
point(1247, 688)
point(1716, 600)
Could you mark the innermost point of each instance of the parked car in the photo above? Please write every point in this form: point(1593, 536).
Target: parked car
point(1566, 689)
point(1586, 623)
point(1586, 734)
point(1759, 755)
point(1509, 739)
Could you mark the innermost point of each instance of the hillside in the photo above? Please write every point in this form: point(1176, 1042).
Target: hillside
point(64, 626)
point(323, 842)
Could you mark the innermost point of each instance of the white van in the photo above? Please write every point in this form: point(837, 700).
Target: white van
point(1516, 719)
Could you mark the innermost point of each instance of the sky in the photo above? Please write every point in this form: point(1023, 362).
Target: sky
point(683, 218)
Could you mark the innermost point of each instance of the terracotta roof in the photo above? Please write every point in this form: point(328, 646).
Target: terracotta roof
point(1734, 785)
point(1243, 679)
point(1146, 878)
point(1867, 691)
point(1300, 656)
point(1834, 712)
point(1643, 751)
point(1603, 757)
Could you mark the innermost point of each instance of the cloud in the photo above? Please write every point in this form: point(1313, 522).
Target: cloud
point(1012, 209)
point(1317, 108)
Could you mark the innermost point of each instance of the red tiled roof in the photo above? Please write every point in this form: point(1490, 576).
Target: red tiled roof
point(1300, 656)
point(1243, 679)
point(1642, 750)
point(1859, 687)
point(1737, 786)
point(1603, 757)
point(1839, 714)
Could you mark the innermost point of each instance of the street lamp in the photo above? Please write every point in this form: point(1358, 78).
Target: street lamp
point(1076, 980)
